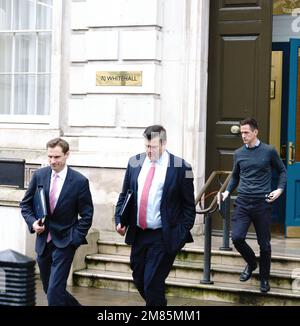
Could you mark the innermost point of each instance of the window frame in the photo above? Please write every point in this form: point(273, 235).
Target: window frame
point(51, 119)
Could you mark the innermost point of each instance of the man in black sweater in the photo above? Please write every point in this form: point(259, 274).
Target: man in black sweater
point(252, 173)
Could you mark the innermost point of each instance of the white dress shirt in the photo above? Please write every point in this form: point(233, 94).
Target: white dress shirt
point(256, 144)
point(156, 190)
point(61, 176)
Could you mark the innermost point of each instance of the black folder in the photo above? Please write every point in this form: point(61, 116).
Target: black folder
point(124, 218)
point(39, 204)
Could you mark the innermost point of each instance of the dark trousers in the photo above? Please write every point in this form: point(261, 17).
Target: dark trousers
point(55, 264)
point(257, 211)
point(150, 264)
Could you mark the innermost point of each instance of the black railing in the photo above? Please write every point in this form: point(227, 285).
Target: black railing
point(224, 208)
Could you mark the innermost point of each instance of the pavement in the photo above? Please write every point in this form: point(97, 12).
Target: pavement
point(89, 296)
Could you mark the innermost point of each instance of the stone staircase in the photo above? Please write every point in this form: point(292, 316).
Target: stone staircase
point(109, 268)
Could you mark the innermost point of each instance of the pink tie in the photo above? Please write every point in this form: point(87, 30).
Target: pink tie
point(144, 197)
point(52, 199)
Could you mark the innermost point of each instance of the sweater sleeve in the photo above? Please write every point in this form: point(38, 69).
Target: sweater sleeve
point(235, 176)
point(279, 167)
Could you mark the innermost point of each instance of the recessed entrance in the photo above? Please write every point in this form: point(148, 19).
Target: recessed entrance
point(254, 71)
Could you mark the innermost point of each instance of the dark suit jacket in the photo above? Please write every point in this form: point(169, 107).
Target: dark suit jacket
point(64, 225)
point(177, 203)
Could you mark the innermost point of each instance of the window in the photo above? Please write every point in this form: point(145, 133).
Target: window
point(25, 56)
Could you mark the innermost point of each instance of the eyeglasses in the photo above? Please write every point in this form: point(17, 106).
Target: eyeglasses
point(151, 147)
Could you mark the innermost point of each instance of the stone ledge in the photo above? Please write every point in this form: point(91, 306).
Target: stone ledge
point(10, 196)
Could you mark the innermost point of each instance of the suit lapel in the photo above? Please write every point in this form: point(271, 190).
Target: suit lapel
point(136, 172)
point(169, 176)
point(65, 189)
point(46, 185)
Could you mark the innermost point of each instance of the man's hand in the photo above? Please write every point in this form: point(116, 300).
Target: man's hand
point(121, 230)
point(222, 195)
point(37, 227)
point(225, 194)
point(274, 195)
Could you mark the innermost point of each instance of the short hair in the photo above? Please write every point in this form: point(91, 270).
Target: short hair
point(251, 122)
point(155, 131)
point(59, 142)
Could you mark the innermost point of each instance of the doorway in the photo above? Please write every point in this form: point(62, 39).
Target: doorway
point(278, 123)
point(254, 71)
point(239, 66)
point(286, 44)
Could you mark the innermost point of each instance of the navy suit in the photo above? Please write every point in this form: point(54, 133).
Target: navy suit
point(153, 251)
point(67, 231)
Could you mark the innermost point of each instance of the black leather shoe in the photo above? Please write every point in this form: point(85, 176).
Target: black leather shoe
point(264, 286)
point(247, 273)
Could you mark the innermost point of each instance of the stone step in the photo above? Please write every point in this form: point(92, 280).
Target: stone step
point(113, 248)
point(183, 287)
point(191, 270)
point(193, 255)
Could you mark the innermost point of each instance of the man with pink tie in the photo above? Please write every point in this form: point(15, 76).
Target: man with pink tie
point(160, 216)
point(67, 195)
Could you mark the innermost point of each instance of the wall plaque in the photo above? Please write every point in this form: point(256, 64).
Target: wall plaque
point(119, 78)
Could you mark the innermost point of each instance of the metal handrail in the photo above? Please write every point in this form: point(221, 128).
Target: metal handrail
point(207, 221)
point(212, 207)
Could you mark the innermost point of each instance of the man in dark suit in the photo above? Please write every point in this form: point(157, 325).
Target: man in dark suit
point(160, 215)
point(67, 196)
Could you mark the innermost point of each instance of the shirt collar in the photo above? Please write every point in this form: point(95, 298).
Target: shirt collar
point(164, 156)
point(62, 174)
point(256, 144)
